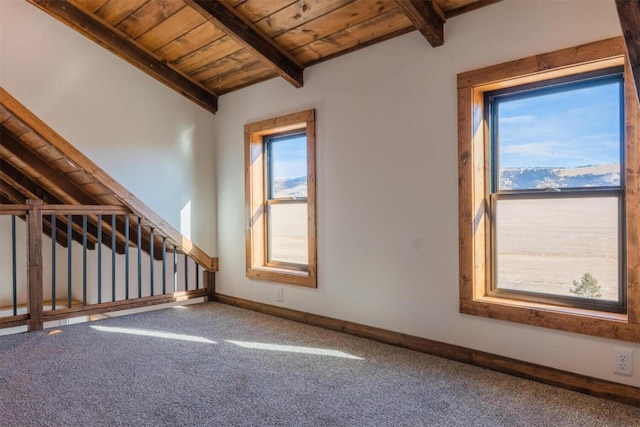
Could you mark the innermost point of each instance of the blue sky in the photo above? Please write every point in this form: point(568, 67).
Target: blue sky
point(572, 128)
point(290, 156)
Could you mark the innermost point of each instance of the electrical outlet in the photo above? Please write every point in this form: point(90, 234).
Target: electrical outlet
point(279, 294)
point(622, 361)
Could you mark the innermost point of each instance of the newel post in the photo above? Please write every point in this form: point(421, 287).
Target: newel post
point(34, 250)
point(210, 283)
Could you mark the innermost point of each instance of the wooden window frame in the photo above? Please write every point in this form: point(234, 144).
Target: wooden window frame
point(257, 266)
point(473, 182)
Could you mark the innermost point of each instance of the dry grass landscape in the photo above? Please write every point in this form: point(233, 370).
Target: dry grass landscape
point(289, 233)
point(544, 245)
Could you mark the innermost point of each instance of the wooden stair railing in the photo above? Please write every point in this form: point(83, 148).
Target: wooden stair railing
point(60, 193)
point(105, 290)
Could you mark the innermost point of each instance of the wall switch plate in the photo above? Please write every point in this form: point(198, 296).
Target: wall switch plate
point(279, 294)
point(622, 361)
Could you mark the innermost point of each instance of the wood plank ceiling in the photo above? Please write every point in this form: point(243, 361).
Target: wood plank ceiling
point(204, 49)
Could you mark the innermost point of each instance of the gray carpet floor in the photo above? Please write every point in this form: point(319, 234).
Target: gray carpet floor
point(215, 365)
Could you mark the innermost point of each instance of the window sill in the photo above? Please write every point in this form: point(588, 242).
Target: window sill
point(282, 275)
point(570, 319)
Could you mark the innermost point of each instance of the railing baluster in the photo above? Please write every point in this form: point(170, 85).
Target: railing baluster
point(53, 260)
point(139, 257)
point(84, 259)
point(113, 257)
point(151, 260)
point(15, 265)
point(99, 258)
point(197, 276)
point(175, 270)
point(186, 272)
point(126, 257)
point(69, 259)
point(164, 265)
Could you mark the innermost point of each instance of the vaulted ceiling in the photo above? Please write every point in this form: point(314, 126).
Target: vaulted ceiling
point(38, 164)
point(204, 49)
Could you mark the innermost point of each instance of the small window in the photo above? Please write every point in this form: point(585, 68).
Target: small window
point(286, 203)
point(556, 197)
point(280, 189)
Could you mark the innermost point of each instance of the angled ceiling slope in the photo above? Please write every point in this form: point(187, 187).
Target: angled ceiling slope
point(204, 49)
point(37, 163)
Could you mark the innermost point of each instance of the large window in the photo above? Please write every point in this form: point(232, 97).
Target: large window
point(556, 194)
point(549, 191)
point(280, 190)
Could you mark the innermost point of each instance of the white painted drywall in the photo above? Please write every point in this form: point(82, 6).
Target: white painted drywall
point(387, 181)
point(149, 138)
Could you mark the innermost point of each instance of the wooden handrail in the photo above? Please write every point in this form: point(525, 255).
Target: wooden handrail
point(84, 209)
point(14, 209)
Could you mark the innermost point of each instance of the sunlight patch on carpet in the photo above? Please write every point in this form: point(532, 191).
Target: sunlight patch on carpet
point(155, 334)
point(294, 349)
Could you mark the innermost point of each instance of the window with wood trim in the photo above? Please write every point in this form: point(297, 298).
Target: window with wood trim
point(549, 191)
point(556, 197)
point(280, 199)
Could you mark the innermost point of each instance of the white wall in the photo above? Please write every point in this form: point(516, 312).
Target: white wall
point(387, 181)
point(149, 138)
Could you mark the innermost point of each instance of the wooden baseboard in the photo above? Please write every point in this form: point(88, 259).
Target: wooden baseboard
point(593, 386)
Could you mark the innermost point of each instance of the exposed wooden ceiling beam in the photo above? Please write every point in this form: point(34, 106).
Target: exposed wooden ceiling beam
point(249, 37)
point(427, 17)
point(629, 15)
point(128, 50)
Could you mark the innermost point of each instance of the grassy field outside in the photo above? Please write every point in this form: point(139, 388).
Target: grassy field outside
point(544, 245)
point(288, 233)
